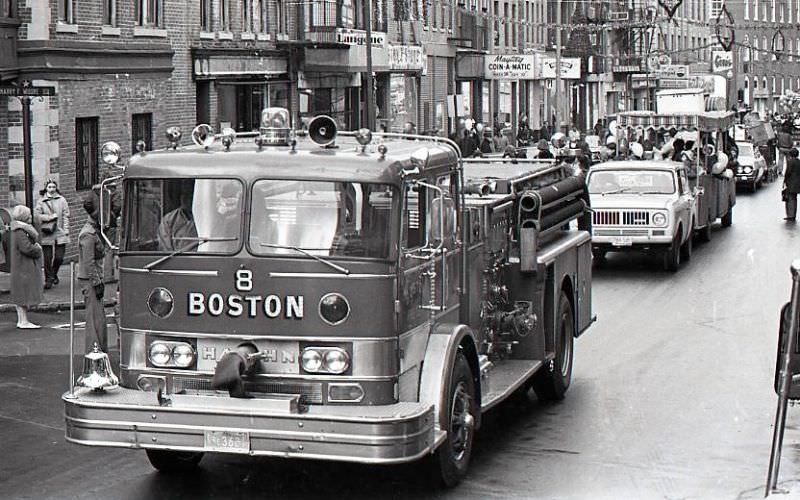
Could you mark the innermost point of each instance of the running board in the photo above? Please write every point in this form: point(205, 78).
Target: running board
point(501, 380)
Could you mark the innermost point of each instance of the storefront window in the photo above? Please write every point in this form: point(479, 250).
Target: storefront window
point(240, 105)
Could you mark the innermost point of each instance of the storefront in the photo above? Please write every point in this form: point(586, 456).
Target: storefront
point(398, 88)
point(508, 73)
point(234, 86)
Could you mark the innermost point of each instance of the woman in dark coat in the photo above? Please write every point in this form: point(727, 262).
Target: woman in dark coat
point(791, 184)
point(26, 265)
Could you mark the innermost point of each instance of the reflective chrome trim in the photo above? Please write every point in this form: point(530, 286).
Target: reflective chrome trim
point(351, 276)
point(558, 247)
point(304, 338)
point(175, 272)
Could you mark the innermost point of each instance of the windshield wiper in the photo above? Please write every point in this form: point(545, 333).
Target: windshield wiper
point(183, 249)
point(308, 254)
point(652, 192)
point(616, 191)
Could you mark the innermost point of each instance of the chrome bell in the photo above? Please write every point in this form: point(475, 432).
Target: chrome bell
point(97, 372)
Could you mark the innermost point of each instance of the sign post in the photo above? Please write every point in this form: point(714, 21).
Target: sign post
point(24, 94)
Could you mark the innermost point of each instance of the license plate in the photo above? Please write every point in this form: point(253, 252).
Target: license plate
point(622, 241)
point(279, 356)
point(231, 442)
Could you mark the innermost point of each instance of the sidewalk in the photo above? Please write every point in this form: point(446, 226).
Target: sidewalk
point(56, 298)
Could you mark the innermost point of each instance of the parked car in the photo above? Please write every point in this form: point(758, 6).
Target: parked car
point(642, 206)
point(752, 167)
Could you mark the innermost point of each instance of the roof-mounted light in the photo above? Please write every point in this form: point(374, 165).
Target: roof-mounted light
point(203, 135)
point(228, 137)
point(364, 137)
point(274, 127)
point(110, 152)
point(174, 136)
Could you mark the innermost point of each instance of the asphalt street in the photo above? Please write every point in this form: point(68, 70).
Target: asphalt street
point(671, 398)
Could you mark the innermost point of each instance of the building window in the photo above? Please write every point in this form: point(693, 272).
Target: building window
point(66, 11)
point(142, 130)
point(773, 10)
point(86, 161)
point(746, 49)
point(205, 16)
point(746, 9)
point(110, 12)
point(755, 48)
point(247, 16)
point(148, 13)
point(225, 15)
point(755, 10)
point(280, 17)
point(780, 12)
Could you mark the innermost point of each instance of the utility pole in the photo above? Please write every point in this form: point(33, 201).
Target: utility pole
point(370, 96)
point(27, 159)
point(557, 124)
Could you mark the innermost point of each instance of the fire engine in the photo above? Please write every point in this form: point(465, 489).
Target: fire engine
point(348, 296)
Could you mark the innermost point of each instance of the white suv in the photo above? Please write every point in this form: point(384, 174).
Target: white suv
point(642, 206)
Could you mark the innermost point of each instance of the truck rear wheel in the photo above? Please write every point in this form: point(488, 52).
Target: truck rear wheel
point(174, 461)
point(551, 383)
point(727, 219)
point(451, 460)
point(705, 233)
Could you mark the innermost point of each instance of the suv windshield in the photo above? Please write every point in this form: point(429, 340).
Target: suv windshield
point(321, 218)
point(631, 182)
point(169, 215)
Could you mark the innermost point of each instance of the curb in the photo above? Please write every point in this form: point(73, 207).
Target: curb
point(53, 306)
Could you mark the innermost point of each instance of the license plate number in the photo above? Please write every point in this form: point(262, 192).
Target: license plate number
point(231, 442)
point(622, 241)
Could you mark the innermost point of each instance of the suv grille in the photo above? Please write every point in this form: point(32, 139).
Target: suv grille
point(621, 217)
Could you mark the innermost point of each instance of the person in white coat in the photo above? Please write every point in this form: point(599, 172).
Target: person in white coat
point(53, 212)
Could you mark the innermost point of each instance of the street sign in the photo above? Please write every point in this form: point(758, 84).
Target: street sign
point(14, 91)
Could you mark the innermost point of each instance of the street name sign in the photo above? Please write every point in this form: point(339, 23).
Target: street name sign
point(14, 91)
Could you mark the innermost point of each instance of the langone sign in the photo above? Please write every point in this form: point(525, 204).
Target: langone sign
point(359, 37)
point(509, 67)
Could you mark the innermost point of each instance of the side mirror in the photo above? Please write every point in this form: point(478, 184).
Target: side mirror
point(794, 358)
point(442, 221)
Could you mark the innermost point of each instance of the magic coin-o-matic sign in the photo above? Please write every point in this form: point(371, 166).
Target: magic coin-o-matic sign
point(509, 66)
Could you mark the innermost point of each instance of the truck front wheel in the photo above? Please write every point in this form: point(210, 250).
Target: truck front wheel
point(451, 460)
point(174, 461)
point(727, 219)
point(551, 383)
point(672, 256)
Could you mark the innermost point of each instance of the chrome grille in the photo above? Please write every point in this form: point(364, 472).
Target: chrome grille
point(621, 232)
point(310, 393)
point(621, 217)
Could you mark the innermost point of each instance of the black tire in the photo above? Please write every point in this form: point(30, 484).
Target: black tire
point(727, 219)
point(451, 460)
point(551, 383)
point(599, 256)
point(174, 462)
point(686, 249)
point(672, 256)
point(753, 187)
point(704, 234)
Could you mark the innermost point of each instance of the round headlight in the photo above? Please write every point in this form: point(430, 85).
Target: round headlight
point(183, 355)
point(659, 219)
point(748, 169)
point(159, 354)
point(160, 302)
point(738, 170)
point(336, 361)
point(110, 152)
point(333, 308)
point(311, 360)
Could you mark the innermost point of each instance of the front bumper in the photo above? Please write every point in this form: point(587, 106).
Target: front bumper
point(622, 238)
point(745, 178)
point(126, 418)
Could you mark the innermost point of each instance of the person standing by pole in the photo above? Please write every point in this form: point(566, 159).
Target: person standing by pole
point(53, 211)
point(90, 274)
point(26, 265)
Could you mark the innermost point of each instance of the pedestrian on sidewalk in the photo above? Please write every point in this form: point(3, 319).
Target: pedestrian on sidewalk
point(26, 265)
point(90, 274)
point(791, 184)
point(53, 211)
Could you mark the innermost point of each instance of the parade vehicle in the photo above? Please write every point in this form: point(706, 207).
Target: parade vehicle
point(358, 297)
point(751, 169)
point(710, 179)
point(642, 206)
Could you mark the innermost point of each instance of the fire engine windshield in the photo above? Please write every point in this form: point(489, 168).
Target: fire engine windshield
point(321, 218)
point(184, 215)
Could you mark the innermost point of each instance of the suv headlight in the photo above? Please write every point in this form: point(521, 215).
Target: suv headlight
point(659, 219)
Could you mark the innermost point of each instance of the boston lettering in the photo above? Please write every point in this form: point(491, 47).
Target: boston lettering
point(271, 306)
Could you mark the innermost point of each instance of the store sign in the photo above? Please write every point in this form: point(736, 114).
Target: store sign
point(570, 67)
point(215, 66)
point(673, 71)
point(509, 67)
point(359, 37)
point(721, 60)
point(406, 57)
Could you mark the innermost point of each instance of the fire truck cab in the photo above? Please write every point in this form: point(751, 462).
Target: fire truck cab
point(356, 297)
